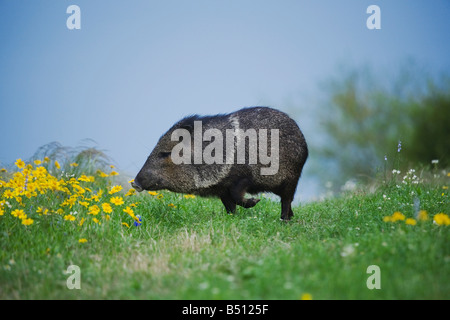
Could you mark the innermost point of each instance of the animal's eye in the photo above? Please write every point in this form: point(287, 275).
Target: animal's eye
point(164, 155)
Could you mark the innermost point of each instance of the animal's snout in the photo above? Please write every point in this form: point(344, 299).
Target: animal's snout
point(136, 186)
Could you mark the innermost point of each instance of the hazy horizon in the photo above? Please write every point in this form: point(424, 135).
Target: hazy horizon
point(135, 68)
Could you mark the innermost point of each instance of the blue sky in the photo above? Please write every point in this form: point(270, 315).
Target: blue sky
point(136, 67)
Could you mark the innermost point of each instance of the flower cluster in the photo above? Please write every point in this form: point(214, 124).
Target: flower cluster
point(408, 192)
point(410, 177)
point(32, 193)
point(440, 219)
point(160, 196)
point(18, 213)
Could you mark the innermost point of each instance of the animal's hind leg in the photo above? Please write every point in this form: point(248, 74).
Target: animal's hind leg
point(229, 203)
point(237, 193)
point(286, 209)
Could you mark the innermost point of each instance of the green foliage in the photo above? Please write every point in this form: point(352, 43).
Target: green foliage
point(431, 138)
point(364, 121)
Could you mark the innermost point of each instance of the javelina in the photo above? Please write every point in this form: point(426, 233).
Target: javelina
point(257, 149)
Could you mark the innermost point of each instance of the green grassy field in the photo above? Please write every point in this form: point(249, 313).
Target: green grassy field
point(188, 247)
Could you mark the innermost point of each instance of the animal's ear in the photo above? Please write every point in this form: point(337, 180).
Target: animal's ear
point(189, 127)
point(187, 123)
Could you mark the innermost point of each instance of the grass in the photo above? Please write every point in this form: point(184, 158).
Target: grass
point(189, 248)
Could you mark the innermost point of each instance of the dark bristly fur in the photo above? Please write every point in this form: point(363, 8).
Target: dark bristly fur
point(230, 182)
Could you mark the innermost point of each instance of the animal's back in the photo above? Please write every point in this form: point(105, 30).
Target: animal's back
point(292, 147)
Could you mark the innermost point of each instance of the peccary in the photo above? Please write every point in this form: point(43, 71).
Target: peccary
point(253, 150)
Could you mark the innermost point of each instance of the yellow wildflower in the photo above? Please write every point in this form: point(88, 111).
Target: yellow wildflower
point(130, 192)
point(78, 189)
point(94, 210)
point(40, 172)
point(422, 215)
point(8, 194)
point(153, 193)
point(106, 208)
point(189, 196)
point(37, 162)
point(27, 222)
point(57, 165)
point(46, 159)
point(125, 224)
point(84, 203)
point(306, 296)
point(129, 211)
point(118, 201)
point(102, 174)
point(82, 222)
point(93, 198)
point(96, 220)
point(398, 216)
point(69, 217)
point(160, 196)
point(114, 173)
point(19, 163)
point(86, 178)
point(74, 164)
point(115, 189)
point(18, 213)
point(83, 240)
point(441, 219)
point(411, 221)
point(28, 194)
point(172, 205)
